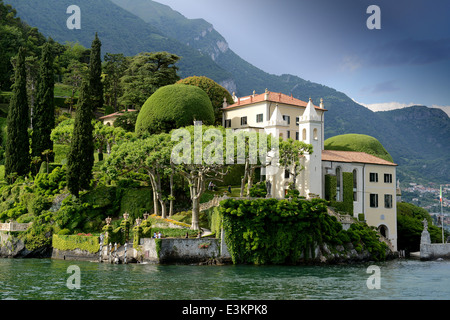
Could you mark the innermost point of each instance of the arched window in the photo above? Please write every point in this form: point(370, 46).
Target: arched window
point(304, 134)
point(315, 134)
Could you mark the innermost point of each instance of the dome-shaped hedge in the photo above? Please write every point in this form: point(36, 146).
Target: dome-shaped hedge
point(215, 92)
point(359, 143)
point(172, 107)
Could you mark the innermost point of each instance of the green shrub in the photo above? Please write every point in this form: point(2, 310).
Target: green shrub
point(258, 190)
point(172, 107)
point(15, 212)
point(64, 232)
point(215, 92)
point(52, 183)
point(174, 232)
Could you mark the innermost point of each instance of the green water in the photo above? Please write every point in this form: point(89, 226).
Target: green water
point(46, 279)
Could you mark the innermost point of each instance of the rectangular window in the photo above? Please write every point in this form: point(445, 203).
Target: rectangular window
point(296, 135)
point(373, 200)
point(288, 134)
point(388, 178)
point(259, 117)
point(228, 123)
point(243, 121)
point(297, 120)
point(287, 118)
point(388, 201)
point(373, 177)
point(286, 174)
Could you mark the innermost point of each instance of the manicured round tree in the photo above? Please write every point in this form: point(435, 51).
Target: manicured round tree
point(359, 143)
point(215, 92)
point(172, 107)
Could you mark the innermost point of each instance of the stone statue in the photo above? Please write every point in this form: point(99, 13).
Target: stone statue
point(425, 224)
point(269, 188)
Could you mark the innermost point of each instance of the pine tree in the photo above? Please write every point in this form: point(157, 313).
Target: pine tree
point(81, 154)
point(44, 111)
point(17, 153)
point(95, 74)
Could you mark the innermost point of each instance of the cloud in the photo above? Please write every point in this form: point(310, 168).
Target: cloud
point(446, 109)
point(386, 106)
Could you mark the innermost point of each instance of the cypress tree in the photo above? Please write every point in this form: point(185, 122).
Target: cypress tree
point(81, 154)
point(44, 111)
point(95, 74)
point(17, 153)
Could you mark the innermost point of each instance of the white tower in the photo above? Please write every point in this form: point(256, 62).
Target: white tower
point(311, 132)
point(276, 126)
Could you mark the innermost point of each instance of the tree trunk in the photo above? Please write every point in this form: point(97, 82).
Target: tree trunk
point(195, 213)
point(171, 194)
point(250, 179)
point(244, 178)
point(163, 208)
point(155, 202)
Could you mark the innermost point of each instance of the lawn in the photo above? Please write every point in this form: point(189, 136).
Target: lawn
point(63, 90)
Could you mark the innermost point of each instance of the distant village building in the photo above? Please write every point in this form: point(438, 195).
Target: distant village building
point(109, 119)
point(362, 184)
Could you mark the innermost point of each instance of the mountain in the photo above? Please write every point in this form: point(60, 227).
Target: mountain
point(416, 137)
point(119, 30)
point(419, 141)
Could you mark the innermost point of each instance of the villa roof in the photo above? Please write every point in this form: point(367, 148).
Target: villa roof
point(116, 114)
point(353, 157)
point(272, 97)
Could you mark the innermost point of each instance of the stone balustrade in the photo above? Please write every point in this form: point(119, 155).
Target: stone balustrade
point(14, 226)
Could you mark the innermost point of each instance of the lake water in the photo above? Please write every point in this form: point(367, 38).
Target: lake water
point(47, 279)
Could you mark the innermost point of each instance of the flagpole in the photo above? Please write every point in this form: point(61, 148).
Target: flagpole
point(442, 216)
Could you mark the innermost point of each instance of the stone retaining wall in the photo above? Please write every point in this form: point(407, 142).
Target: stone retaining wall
point(76, 255)
point(430, 250)
point(435, 251)
point(183, 251)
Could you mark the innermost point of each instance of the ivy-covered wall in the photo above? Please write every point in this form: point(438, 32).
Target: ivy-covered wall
point(346, 205)
point(271, 231)
point(86, 243)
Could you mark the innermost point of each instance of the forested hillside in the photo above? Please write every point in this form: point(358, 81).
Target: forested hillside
point(120, 31)
point(417, 138)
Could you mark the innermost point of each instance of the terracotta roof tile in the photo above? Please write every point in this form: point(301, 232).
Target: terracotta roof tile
point(352, 156)
point(273, 97)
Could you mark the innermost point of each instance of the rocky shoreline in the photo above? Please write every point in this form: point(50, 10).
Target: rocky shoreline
point(12, 247)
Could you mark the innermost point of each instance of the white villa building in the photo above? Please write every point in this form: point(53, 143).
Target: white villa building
point(373, 180)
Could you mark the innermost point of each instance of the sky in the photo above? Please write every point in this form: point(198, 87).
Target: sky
point(405, 62)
